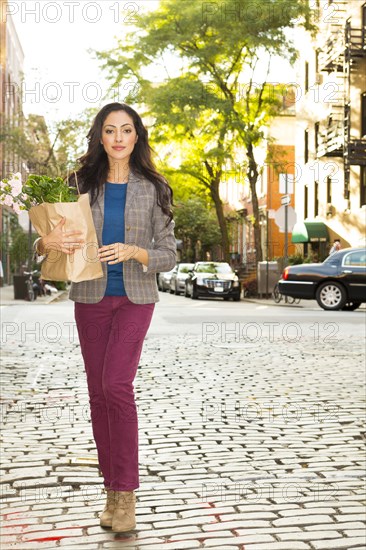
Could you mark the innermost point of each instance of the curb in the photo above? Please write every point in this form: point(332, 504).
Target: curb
point(57, 297)
point(303, 304)
point(49, 300)
point(262, 303)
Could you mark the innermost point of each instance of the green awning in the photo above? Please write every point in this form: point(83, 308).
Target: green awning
point(307, 232)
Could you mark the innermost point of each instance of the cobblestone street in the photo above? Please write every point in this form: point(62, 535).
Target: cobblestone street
point(183, 275)
point(252, 445)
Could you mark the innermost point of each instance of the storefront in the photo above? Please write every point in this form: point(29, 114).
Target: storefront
point(314, 238)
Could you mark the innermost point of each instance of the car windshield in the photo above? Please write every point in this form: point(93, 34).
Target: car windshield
point(184, 268)
point(214, 268)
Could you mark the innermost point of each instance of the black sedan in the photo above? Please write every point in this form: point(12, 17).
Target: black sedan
point(337, 283)
point(212, 279)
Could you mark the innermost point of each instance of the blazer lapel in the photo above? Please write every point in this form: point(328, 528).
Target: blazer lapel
point(132, 188)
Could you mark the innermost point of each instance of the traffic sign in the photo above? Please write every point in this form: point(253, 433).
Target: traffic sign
point(285, 200)
point(280, 218)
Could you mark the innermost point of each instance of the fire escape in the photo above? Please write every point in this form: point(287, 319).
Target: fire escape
point(340, 56)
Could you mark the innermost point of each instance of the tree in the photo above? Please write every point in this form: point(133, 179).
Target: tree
point(49, 149)
point(18, 250)
point(71, 138)
point(220, 46)
point(203, 163)
point(195, 222)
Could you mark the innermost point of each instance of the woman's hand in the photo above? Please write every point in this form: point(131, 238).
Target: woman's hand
point(117, 252)
point(57, 239)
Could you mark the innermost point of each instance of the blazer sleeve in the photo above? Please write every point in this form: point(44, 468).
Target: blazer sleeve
point(163, 255)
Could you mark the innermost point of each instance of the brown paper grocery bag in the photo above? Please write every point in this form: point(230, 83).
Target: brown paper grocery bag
point(84, 264)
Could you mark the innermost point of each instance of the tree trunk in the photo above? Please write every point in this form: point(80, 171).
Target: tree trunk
point(214, 186)
point(252, 174)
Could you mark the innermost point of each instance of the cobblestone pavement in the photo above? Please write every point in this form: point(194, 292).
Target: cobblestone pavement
point(254, 445)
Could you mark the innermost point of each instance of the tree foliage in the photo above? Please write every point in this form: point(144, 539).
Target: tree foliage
point(45, 148)
point(210, 100)
point(196, 224)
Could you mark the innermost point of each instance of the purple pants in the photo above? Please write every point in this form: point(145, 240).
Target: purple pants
point(111, 334)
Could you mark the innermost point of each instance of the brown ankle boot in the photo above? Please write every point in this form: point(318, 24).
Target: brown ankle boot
point(124, 511)
point(107, 514)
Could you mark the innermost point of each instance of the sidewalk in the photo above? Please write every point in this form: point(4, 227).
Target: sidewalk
point(7, 297)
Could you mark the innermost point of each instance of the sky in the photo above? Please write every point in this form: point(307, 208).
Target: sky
point(62, 77)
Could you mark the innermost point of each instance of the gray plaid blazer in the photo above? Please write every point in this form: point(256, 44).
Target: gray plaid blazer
point(144, 227)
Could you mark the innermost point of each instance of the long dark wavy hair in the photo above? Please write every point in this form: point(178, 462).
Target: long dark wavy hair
point(94, 163)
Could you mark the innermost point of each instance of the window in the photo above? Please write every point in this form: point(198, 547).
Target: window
point(329, 190)
point(316, 131)
point(286, 183)
point(316, 198)
point(306, 76)
point(356, 258)
point(363, 115)
point(317, 60)
point(312, 5)
point(362, 186)
point(306, 146)
point(306, 201)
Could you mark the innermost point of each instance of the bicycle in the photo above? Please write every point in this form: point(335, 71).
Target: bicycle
point(277, 296)
point(32, 288)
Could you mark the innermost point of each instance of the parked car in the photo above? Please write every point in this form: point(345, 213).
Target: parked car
point(178, 278)
point(212, 279)
point(337, 283)
point(164, 280)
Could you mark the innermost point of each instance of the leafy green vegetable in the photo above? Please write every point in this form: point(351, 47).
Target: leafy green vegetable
point(39, 189)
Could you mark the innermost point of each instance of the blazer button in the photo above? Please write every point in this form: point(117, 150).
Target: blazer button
point(128, 227)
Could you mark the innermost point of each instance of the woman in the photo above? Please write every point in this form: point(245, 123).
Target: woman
point(131, 208)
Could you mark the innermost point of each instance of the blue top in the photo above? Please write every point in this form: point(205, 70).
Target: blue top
point(114, 232)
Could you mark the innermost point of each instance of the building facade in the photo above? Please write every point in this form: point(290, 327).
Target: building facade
point(331, 129)
point(276, 160)
point(11, 74)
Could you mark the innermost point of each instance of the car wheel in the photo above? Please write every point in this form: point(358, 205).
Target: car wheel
point(194, 294)
point(331, 296)
point(351, 306)
point(236, 298)
point(276, 295)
